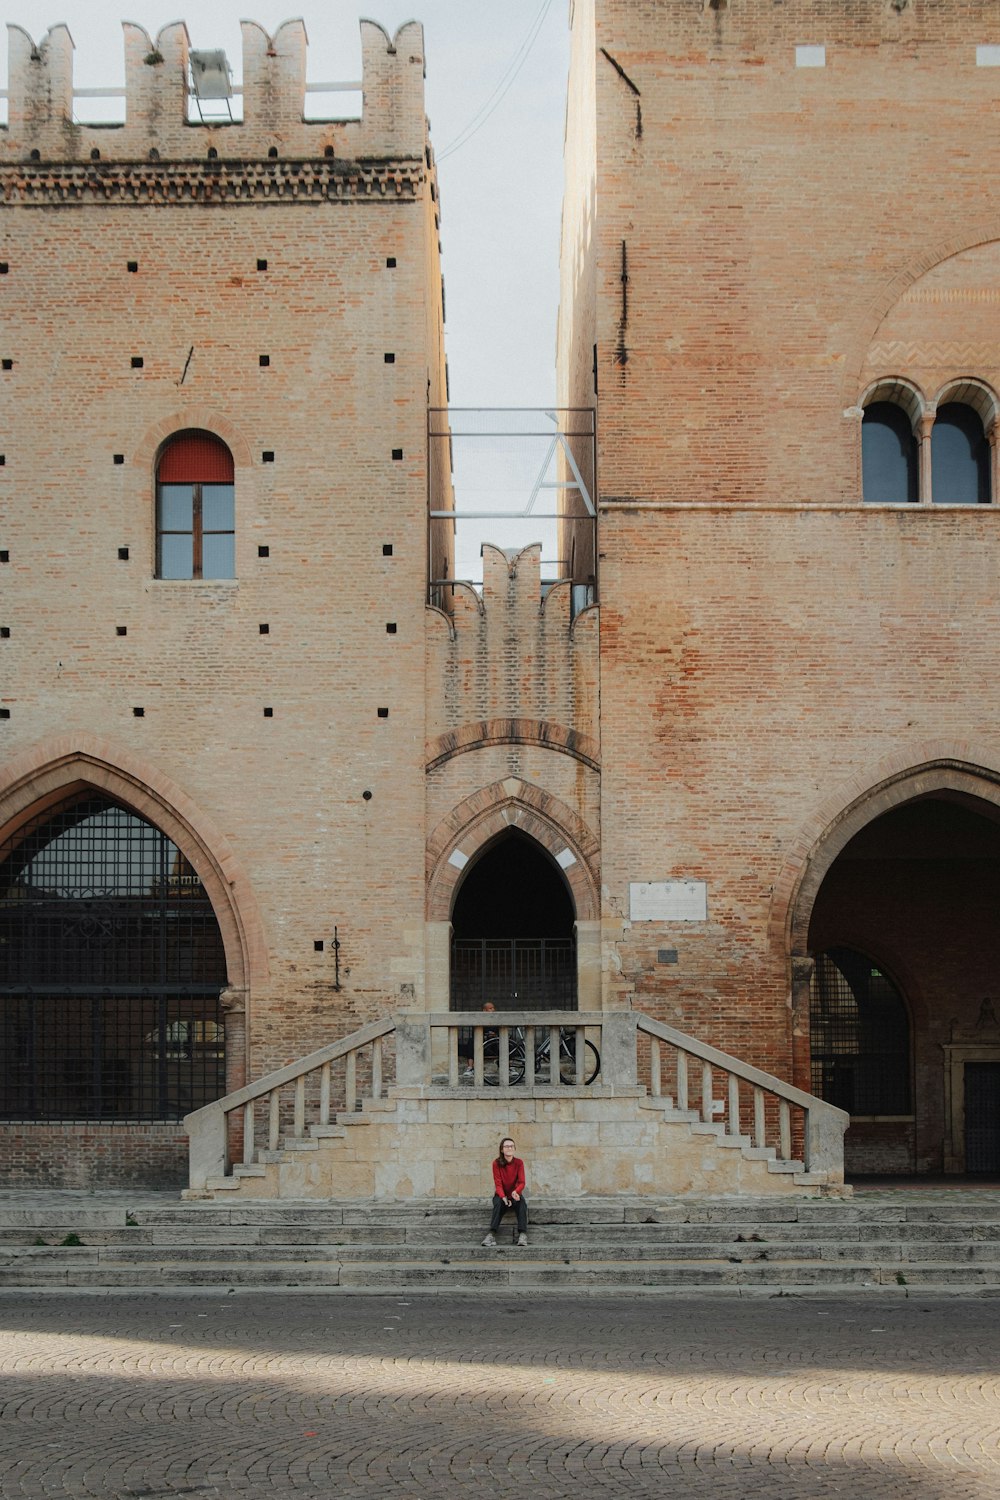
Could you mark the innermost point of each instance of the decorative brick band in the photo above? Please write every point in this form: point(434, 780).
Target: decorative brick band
point(69, 184)
point(484, 732)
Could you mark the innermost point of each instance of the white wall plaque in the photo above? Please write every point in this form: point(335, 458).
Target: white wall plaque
point(668, 901)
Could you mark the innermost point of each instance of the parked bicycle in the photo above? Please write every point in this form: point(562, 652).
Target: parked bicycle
point(517, 1056)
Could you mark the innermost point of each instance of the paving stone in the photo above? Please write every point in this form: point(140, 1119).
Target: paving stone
point(255, 1395)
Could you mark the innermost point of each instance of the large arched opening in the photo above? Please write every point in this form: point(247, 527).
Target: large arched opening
point(901, 923)
point(112, 968)
point(513, 939)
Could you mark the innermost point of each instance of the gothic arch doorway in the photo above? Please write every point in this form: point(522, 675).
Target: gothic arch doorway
point(513, 931)
point(913, 893)
point(111, 969)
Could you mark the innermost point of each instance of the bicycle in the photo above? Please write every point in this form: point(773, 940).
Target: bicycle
point(517, 1057)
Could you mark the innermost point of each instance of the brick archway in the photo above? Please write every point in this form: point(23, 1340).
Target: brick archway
point(497, 809)
point(52, 770)
point(942, 767)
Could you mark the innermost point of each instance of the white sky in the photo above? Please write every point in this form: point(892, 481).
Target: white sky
point(500, 194)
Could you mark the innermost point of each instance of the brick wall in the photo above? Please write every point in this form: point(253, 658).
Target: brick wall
point(756, 244)
point(262, 273)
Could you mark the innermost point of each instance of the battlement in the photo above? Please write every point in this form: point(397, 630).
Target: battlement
point(41, 125)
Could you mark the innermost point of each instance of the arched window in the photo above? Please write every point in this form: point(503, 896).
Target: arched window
point(960, 456)
point(889, 463)
point(111, 968)
point(859, 1036)
point(195, 509)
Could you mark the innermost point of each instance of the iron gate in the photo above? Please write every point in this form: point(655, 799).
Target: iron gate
point(513, 973)
point(111, 966)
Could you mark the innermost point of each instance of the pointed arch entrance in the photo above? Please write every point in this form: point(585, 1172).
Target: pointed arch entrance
point(513, 930)
point(111, 970)
point(896, 928)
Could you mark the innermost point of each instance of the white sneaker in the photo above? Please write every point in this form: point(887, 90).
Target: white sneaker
point(522, 1239)
point(489, 1240)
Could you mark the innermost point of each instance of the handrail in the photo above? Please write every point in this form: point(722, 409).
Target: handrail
point(824, 1123)
point(207, 1127)
point(415, 1053)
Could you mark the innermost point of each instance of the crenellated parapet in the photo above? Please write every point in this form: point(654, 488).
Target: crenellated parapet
point(42, 128)
point(512, 664)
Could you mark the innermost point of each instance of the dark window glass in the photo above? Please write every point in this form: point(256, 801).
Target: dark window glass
point(888, 455)
point(195, 509)
point(111, 967)
point(859, 1036)
point(960, 457)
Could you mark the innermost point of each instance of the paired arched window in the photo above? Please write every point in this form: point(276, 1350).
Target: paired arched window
point(111, 969)
point(859, 1036)
point(195, 508)
point(890, 461)
point(960, 457)
point(959, 467)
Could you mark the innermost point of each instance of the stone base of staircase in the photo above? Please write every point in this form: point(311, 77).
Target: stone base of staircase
point(438, 1143)
point(902, 1243)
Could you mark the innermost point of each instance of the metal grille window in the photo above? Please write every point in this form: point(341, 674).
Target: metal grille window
point(111, 966)
point(859, 1036)
point(513, 973)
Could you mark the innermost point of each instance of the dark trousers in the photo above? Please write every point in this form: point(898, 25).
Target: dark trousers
point(500, 1208)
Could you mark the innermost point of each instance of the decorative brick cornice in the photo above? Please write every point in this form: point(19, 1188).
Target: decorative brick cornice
point(228, 182)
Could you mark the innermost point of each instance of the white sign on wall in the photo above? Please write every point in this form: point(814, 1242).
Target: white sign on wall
point(668, 901)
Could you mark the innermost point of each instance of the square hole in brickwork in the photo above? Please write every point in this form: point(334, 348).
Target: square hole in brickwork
point(4, 632)
point(118, 458)
point(138, 713)
point(390, 628)
point(383, 713)
point(121, 630)
point(4, 555)
point(6, 364)
point(137, 362)
point(132, 265)
point(267, 457)
point(263, 552)
point(269, 713)
point(397, 454)
point(4, 713)
point(390, 359)
point(264, 360)
point(123, 554)
point(262, 265)
point(264, 629)
point(3, 459)
point(4, 268)
point(390, 262)
point(386, 549)
point(318, 945)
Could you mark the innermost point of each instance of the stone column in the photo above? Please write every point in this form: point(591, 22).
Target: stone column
point(925, 486)
point(233, 1001)
point(802, 972)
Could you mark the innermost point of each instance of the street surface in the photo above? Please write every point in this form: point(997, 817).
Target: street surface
point(277, 1395)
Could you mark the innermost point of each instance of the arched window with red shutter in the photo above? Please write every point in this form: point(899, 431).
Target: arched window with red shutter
point(195, 508)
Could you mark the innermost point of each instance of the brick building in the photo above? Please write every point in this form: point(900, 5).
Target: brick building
point(256, 792)
point(781, 286)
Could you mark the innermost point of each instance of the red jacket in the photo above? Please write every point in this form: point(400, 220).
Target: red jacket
point(508, 1177)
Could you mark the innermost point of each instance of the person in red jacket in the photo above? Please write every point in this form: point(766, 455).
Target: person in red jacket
point(508, 1183)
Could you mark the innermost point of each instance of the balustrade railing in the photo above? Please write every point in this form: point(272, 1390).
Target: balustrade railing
point(754, 1105)
point(520, 1052)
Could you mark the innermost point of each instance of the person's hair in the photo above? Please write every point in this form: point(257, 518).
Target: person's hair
point(500, 1147)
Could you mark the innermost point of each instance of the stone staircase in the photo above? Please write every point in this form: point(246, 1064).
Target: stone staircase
point(906, 1242)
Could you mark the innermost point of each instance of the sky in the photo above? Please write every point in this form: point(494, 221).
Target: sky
point(501, 191)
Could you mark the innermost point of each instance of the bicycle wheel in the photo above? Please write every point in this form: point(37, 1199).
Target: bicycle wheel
point(567, 1060)
point(491, 1060)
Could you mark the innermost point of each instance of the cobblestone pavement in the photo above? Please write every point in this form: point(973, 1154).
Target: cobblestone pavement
point(272, 1395)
